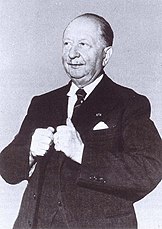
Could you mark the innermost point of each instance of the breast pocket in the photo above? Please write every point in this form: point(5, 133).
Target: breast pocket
point(104, 141)
point(103, 135)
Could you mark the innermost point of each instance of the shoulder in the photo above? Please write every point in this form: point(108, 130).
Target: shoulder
point(54, 93)
point(128, 98)
point(126, 94)
point(48, 100)
point(135, 104)
point(51, 96)
point(133, 99)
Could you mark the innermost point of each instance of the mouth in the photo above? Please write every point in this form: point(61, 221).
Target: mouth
point(75, 65)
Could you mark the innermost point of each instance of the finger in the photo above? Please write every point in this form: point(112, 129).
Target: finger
point(57, 147)
point(55, 138)
point(42, 139)
point(40, 143)
point(51, 129)
point(36, 146)
point(42, 132)
point(42, 146)
point(61, 128)
point(46, 141)
point(38, 153)
point(69, 123)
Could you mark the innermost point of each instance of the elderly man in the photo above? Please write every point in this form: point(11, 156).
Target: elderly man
point(88, 149)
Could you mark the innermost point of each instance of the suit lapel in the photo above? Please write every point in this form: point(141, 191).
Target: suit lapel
point(97, 107)
point(58, 104)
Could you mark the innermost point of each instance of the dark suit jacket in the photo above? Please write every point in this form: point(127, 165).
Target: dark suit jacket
point(120, 164)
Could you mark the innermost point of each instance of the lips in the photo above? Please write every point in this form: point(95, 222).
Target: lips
point(75, 65)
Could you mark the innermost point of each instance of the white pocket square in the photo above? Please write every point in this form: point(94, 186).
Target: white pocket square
point(100, 126)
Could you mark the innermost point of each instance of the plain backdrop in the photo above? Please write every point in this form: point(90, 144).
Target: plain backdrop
point(30, 64)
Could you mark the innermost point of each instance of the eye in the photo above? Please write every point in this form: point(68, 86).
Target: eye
point(66, 43)
point(84, 45)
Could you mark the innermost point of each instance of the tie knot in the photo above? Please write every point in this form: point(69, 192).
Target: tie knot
point(81, 94)
point(80, 99)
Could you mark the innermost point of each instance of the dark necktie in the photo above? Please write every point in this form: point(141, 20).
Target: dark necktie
point(80, 98)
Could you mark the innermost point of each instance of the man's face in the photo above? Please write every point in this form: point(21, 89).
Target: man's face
point(83, 51)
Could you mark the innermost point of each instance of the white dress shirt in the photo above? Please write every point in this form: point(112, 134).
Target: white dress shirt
point(73, 97)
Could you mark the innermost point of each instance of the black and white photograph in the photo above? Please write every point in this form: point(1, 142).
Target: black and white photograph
point(80, 114)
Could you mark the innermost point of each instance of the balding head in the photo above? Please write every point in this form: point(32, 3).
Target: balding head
point(106, 31)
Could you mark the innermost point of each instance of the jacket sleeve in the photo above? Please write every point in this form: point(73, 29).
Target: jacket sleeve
point(126, 159)
point(14, 159)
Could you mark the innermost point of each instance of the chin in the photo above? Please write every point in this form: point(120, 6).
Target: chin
point(74, 75)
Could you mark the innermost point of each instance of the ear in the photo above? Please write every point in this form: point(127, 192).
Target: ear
point(107, 54)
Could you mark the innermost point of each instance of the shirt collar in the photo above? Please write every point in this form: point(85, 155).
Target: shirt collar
point(88, 89)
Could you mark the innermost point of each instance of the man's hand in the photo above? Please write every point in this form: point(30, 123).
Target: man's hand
point(41, 141)
point(68, 140)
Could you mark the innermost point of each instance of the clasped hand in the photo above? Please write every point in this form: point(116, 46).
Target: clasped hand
point(65, 139)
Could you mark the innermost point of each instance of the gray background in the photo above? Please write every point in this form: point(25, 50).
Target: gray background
point(30, 64)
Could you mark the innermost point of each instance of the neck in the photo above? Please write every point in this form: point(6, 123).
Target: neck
point(80, 83)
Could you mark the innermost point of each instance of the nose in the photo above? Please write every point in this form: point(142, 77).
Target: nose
point(73, 52)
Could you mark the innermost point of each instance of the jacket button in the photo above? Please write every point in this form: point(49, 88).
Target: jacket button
point(29, 223)
point(101, 179)
point(94, 178)
point(98, 114)
point(59, 203)
point(34, 196)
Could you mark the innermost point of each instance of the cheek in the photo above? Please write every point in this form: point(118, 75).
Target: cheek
point(64, 56)
point(65, 53)
point(97, 60)
point(91, 63)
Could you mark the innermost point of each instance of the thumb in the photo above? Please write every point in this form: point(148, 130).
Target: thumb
point(51, 129)
point(69, 123)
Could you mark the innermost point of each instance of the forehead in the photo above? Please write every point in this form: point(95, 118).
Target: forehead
point(82, 28)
